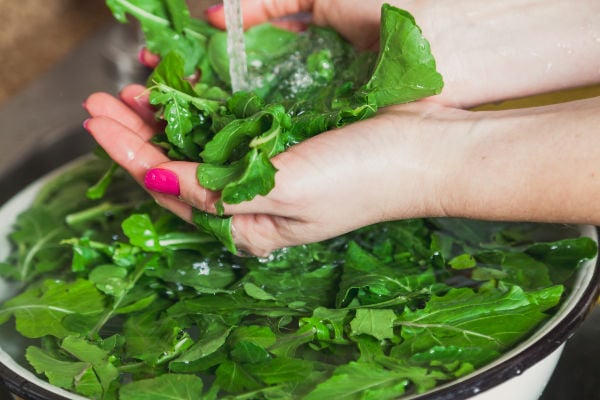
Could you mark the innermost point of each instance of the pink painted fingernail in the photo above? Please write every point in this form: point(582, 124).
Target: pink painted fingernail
point(213, 9)
point(162, 181)
point(85, 124)
point(141, 56)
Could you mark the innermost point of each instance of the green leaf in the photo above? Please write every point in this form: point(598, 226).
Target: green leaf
point(283, 370)
point(254, 291)
point(260, 335)
point(141, 232)
point(99, 189)
point(39, 311)
point(60, 373)
point(377, 323)
point(257, 178)
point(235, 378)
point(463, 261)
point(87, 352)
point(164, 387)
point(405, 70)
point(155, 340)
point(179, 14)
point(110, 279)
point(166, 28)
point(249, 353)
point(204, 274)
point(219, 227)
point(38, 232)
point(361, 380)
point(211, 339)
point(483, 318)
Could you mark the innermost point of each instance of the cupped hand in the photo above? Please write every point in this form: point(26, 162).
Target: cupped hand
point(356, 20)
point(374, 170)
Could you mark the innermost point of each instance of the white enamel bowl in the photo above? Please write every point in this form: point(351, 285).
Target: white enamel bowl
point(520, 374)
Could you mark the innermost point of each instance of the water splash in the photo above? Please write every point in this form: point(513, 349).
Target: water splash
point(236, 47)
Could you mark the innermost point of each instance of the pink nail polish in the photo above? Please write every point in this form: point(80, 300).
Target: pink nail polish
point(85, 124)
point(142, 56)
point(213, 9)
point(162, 181)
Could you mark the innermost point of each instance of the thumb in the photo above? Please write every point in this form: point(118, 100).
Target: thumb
point(259, 11)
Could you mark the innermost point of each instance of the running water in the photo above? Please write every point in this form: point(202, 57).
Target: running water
point(236, 48)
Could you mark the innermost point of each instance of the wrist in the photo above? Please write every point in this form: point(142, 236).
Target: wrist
point(493, 51)
point(421, 159)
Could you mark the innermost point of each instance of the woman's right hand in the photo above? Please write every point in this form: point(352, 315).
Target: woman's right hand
point(487, 51)
point(370, 171)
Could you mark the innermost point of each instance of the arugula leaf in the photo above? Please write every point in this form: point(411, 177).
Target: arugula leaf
point(103, 369)
point(378, 312)
point(40, 310)
point(447, 320)
point(361, 380)
point(164, 387)
point(299, 90)
point(377, 323)
point(167, 27)
point(408, 72)
point(70, 375)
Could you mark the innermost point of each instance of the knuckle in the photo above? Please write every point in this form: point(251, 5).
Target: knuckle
point(256, 234)
point(202, 199)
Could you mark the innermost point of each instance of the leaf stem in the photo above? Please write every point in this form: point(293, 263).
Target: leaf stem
point(137, 274)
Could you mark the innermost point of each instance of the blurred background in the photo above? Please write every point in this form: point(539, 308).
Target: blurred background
point(37, 34)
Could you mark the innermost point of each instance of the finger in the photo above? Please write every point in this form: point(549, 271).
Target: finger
point(178, 178)
point(135, 155)
point(291, 25)
point(124, 146)
point(147, 58)
point(136, 97)
point(259, 11)
point(255, 229)
point(105, 105)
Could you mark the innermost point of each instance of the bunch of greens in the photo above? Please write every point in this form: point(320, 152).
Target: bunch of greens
point(303, 84)
point(145, 306)
point(126, 301)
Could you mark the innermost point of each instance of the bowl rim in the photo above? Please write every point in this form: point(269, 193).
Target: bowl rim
point(511, 364)
point(533, 350)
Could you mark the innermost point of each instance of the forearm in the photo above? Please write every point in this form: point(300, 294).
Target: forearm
point(494, 50)
point(538, 164)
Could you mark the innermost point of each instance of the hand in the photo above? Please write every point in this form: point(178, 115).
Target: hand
point(356, 20)
point(413, 160)
point(364, 173)
point(486, 51)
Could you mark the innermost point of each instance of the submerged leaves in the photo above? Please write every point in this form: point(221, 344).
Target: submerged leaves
point(302, 85)
point(151, 308)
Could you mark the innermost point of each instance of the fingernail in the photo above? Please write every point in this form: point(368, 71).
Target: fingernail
point(85, 124)
point(162, 181)
point(213, 9)
point(143, 57)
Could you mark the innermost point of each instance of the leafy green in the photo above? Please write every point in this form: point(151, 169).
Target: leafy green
point(164, 387)
point(302, 84)
point(148, 307)
point(123, 300)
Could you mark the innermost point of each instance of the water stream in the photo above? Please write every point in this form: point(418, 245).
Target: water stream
point(236, 48)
